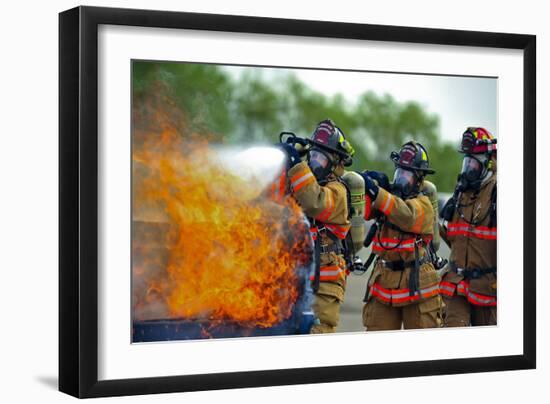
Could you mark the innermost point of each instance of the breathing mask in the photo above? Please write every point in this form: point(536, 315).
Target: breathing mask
point(404, 183)
point(474, 170)
point(320, 163)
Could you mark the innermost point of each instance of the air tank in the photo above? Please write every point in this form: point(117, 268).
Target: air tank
point(429, 189)
point(356, 186)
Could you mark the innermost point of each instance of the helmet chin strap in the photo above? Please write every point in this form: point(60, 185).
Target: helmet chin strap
point(334, 163)
point(338, 169)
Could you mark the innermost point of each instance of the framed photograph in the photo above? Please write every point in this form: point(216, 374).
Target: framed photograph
point(251, 201)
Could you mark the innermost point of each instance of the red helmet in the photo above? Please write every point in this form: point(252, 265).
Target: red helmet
point(477, 141)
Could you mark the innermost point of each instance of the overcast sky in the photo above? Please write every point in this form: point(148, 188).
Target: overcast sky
point(458, 101)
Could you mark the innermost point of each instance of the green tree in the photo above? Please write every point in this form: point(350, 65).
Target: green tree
point(202, 91)
point(447, 162)
point(255, 106)
point(255, 109)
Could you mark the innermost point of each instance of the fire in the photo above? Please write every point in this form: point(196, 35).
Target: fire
point(219, 249)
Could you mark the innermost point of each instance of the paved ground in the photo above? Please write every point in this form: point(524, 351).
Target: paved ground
point(350, 314)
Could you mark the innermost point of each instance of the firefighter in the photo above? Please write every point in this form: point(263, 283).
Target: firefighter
point(317, 186)
point(403, 290)
point(469, 227)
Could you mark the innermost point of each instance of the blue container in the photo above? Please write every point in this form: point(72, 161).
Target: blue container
point(172, 330)
point(299, 322)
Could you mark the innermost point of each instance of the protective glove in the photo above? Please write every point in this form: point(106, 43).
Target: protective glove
point(371, 188)
point(380, 177)
point(448, 210)
point(293, 157)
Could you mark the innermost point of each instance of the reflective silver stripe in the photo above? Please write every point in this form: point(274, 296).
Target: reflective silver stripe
point(456, 227)
point(407, 245)
point(480, 300)
point(447, 288)
point(389, 243)
point(400, 295)
point(424, 291)
point(384, 294)
point(430, 289)
point(302, 179)
point(406, 293)
point(484, 232)
point(465, 289)
point(395, 245)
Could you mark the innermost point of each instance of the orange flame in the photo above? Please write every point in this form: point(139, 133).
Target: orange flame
point(221, 250)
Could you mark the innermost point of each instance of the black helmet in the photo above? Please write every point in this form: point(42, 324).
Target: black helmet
point(411, 166)
point(412, 156)
point(328, 137)
point(329, 147)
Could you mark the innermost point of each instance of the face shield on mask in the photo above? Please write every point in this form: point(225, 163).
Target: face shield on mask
point(404, 182)
point(473, 171)
point(320, 164)
point(472, 168)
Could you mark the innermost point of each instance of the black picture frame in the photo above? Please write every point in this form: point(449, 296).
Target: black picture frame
point(78, 200)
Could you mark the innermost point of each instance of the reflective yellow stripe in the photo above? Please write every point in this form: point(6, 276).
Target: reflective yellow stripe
point(301, 179)
point(338, 231)
point(388, 203)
